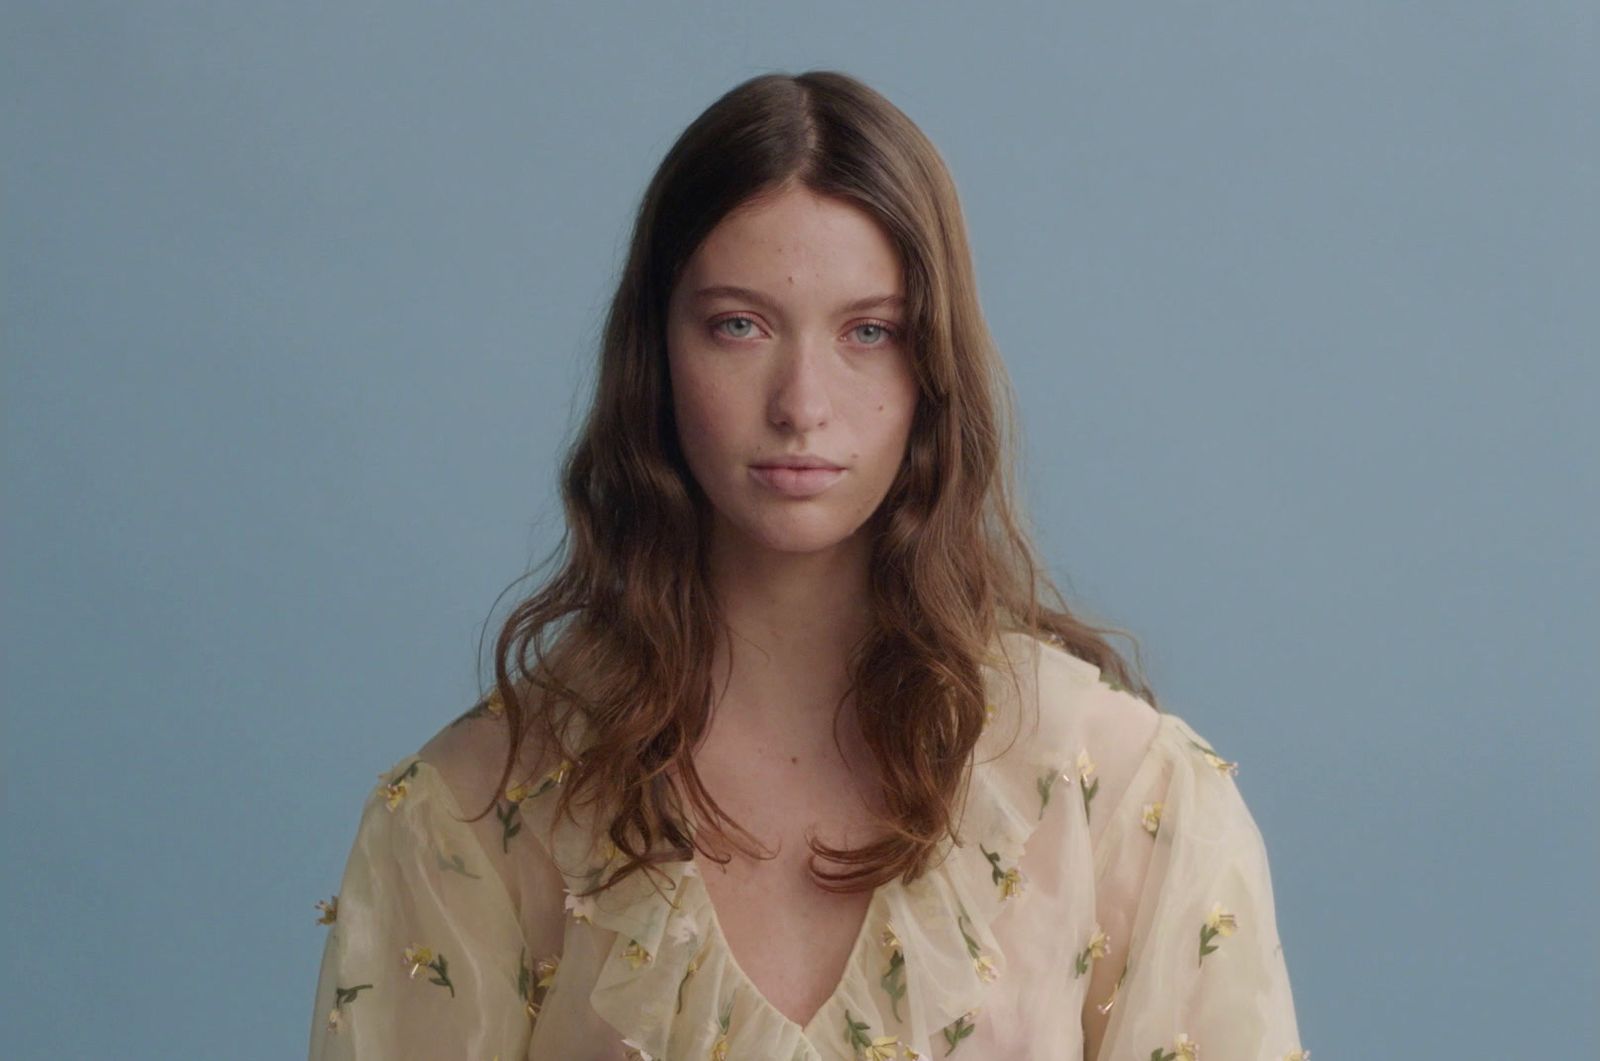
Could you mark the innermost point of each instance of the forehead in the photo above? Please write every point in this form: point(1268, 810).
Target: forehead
point(797, 244)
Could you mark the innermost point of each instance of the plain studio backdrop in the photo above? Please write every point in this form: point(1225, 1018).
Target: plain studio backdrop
point(1298, 299)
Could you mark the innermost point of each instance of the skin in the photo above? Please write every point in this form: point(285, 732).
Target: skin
point(792, 372)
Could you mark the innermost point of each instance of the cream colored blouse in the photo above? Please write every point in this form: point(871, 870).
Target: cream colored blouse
point(1110, 869)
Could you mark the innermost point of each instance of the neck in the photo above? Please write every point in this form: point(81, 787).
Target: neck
point(792, 620)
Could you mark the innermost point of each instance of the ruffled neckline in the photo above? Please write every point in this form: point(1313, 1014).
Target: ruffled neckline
point(669, 949)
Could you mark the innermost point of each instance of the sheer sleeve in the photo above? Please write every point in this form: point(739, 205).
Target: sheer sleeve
point(425, 957)
point(1182, 874)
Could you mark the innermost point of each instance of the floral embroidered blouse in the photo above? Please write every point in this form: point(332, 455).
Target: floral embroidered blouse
point(1111, 899)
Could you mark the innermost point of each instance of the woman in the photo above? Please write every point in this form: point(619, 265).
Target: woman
point(789, 761)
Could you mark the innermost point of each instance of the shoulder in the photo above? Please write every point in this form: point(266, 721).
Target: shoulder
point(1084, 712)
point(469, 755)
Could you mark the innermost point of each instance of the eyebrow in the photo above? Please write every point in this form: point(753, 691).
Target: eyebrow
point(749, 295)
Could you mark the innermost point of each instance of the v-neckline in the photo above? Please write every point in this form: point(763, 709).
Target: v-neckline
point(861, 942)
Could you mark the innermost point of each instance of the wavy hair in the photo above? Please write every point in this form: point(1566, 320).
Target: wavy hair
point(617, 645)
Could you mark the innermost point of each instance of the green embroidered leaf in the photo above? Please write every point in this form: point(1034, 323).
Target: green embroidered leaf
point(455, 864)
point(855, 1032)
point(894, 983)
point(509, 824)
point(341, 995)
point(994, 862)
point(972, 944)
point(1045, 784)
point(957, 1031)
point(1088, 794)
point(440, 966)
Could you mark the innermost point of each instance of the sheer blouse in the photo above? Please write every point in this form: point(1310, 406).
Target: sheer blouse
point(1111, 899)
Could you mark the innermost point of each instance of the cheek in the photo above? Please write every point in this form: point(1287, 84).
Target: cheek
point(892, 409)
point(703, 412)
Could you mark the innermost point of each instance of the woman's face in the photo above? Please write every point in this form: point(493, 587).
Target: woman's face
point(798, 363)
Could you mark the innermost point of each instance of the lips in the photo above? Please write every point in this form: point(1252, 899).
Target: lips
point(796, 482)
point(802, 463)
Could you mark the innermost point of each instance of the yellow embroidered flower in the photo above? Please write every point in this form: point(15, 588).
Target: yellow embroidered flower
point(1186, 1048)
point(416, 959)
point(989, 711)
point(636, 955)
point(891, 942)
point(1221, 920)
point(986, 970)
point(394, 793)
point(884, 1048)
point(1218, 923)
point(1297, 1055)
point(913, 1054)
point(1010, 881)
point(1088, 784)
point(1098, 947)
point(1085, 767)
point(526, 790)
point(1151, 818)
point(330, 910)
point(496, 705)
point(545, 970)
point(719, 1027)
point(636, 1052)
point(1221, 765)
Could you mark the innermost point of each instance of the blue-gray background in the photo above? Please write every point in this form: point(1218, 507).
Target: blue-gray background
point(298, 299)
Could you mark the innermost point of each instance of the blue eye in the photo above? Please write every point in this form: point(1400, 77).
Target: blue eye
point(732, 320)
point(889, 332)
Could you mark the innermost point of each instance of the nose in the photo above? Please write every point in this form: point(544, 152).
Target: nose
point(800, 396)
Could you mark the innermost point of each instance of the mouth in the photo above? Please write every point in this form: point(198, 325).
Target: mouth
point(794, 481)
point(799, 467)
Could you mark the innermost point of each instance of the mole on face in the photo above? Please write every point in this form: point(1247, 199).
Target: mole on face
point(794, 759)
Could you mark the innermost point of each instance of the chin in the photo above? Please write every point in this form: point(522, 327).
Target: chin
point(812, 533)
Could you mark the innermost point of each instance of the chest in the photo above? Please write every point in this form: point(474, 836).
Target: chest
point(790, 937)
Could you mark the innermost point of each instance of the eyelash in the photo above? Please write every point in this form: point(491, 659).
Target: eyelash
point(889, 330)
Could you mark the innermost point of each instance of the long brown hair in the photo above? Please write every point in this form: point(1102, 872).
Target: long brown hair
point(619, 642)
